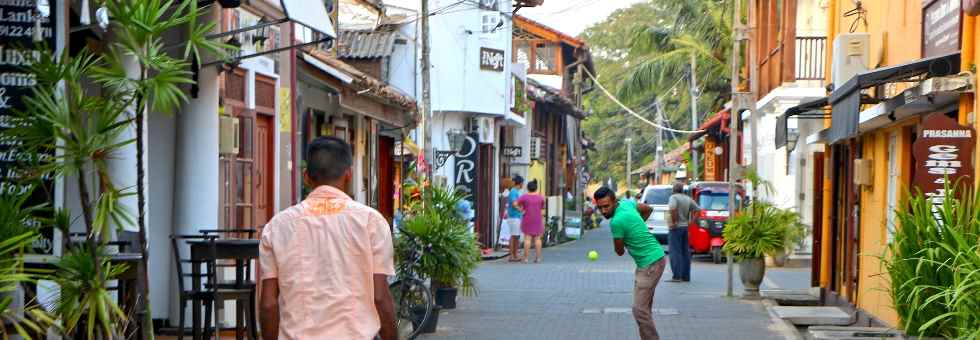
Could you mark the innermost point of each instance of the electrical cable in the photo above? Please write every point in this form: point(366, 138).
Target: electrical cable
point(630, 111)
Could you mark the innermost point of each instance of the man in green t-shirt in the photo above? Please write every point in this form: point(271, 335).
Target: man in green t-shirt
point(627, 219)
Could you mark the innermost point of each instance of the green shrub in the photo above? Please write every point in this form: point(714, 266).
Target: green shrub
point(934, 266)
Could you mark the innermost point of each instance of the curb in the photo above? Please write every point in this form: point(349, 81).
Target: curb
point(783, 326)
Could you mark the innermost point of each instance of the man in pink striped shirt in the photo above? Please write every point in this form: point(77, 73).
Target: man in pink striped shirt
point(326, 261)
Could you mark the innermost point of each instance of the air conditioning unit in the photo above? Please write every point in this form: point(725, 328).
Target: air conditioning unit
point(851, 56)
point(484, 130)
point(536, 148)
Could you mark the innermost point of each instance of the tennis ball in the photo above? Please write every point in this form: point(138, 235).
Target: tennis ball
point(593, 255)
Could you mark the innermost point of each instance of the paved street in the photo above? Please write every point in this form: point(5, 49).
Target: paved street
point(568, 297)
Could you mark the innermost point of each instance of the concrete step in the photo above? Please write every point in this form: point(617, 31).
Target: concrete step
point(791, 297)
point(853, 333)
point(813, 316)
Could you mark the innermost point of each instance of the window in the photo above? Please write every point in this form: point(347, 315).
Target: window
point(658, 196)
point(490, 22)
point(716, 200)
point(545, 60)
point(522, 52)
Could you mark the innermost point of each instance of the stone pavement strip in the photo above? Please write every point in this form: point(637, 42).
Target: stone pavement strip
point(568, 297)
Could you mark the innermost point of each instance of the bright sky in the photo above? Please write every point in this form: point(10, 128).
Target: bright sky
point(568, 16)
point(574, 16)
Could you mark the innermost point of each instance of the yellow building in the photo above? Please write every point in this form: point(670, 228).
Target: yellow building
point(895, 72)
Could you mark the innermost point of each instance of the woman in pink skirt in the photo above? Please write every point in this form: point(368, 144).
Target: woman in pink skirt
point(532, 224)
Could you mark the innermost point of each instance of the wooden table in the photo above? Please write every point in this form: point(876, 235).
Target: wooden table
point(204, 251)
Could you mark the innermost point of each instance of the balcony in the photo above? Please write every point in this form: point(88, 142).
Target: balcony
point(810, 58)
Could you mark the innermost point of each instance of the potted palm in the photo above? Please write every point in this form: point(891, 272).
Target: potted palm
point(452, 251)
point(760, 229)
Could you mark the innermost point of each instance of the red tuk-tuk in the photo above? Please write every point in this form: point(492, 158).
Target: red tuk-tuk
point(705, 234)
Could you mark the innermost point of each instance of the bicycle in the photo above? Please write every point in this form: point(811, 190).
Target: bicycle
point(413, 300)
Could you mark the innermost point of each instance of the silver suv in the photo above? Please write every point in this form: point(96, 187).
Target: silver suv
point(657, 196)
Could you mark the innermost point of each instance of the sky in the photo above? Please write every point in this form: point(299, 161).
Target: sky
point(568, 16)
point(574, 16)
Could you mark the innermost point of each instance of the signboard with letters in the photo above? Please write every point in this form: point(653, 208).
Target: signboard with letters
point(513, 151)
point(943, 153)
point(491, 59)
point(467, 163)
point(17, 52)
point(491, 5)
point(709, 159)
point(941, 22)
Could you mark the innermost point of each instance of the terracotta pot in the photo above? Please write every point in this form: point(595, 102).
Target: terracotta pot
point(752, 271)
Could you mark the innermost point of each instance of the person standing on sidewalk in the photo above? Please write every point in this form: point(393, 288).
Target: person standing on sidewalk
point(326, 261)
point(682, 211)
point(514, 216)
point(629, 230)
point(531, 205)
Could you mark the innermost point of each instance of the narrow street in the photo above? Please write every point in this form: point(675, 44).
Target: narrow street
point(568, 297)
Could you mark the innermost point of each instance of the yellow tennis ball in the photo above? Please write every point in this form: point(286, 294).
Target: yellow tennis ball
point(593, 255)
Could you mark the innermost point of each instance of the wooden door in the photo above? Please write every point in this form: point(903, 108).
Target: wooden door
point(264, 169)
point(386, 177)
point(485, 196)
point(264, 150)
point(818, 172)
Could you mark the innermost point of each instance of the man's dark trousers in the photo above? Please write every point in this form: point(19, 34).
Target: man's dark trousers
point(680, 254)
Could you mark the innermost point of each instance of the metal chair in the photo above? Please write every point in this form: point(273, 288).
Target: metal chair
point(211, 294)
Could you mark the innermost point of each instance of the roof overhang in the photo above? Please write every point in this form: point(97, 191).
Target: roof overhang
point(847, 99)
point(940, 94)
point(812, 109)
point(719, 121)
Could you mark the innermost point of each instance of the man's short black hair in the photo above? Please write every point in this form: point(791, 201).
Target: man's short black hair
point(532, 186)
point(604, 192)
point(518, 180)
point(678, 187)
point(328, 158)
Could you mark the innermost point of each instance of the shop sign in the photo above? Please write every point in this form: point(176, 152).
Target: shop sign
point(513, 151)
point(491, 59)
point(941, 20)
point(467, 163)
point(17, 52)
point(490, 5)
point(709, 159)
point(943, 153)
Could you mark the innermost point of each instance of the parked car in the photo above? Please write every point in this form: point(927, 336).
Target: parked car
point(657, 196)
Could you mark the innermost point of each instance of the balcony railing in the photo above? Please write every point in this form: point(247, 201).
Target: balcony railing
point(810, 56)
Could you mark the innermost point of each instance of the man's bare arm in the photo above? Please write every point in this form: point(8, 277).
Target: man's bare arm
point(386, 307)
point(620, 246)
point(269, 310)
point(645, 210)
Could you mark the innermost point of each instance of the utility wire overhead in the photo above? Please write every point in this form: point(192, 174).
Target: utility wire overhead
point(616, 100)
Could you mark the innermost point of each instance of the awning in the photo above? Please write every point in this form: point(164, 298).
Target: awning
point(804, 110)
point(718, 121)
point(846, 99)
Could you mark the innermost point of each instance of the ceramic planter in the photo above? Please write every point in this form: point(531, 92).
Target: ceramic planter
point(752, 271)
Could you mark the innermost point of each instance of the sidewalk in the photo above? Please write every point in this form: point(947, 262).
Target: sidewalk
point(568, 297)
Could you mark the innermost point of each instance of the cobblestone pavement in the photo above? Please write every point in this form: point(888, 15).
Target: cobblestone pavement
point(568, 297)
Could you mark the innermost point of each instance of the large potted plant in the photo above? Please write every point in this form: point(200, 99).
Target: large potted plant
point(760, 229)
point(452, 251)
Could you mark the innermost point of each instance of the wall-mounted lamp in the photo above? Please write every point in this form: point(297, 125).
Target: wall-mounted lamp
point(456, 138)
point(792, 137)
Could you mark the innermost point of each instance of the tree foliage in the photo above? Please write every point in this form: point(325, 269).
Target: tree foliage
point(642, 54)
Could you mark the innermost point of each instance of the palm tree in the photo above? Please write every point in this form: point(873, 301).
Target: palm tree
point(62, 113)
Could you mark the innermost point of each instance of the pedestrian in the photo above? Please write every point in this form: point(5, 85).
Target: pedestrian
point(629, 230)
point(683, 209)
point(326, 261)
point(531, 205)
point(514, 217)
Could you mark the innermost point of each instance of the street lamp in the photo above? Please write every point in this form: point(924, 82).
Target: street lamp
point(792, 137)
point(456, 139)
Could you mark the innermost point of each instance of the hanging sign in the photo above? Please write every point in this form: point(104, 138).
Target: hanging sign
point(467, 162)
point(513, 151)
point(941, 21)
point(943, 153)
point(18, 28)
point(709, 159)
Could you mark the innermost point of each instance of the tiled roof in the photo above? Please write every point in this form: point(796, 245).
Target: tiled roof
point(378, 88)
point(353, 44)
point(544, 93)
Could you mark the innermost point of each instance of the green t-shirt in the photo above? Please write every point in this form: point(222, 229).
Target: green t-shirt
point(628, 225)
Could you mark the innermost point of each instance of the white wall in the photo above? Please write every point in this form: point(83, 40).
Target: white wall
point(403, 63)
point(196, 197)
point(458, 83)
point(811, 18)
point(161, 134)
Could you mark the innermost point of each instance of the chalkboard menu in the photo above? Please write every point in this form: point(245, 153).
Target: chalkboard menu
point(17, 50)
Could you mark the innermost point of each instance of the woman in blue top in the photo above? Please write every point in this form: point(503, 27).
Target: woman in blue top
point(514, 218)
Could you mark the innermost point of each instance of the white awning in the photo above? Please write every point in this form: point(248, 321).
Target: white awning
point(344, 77)
point(312, 14)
